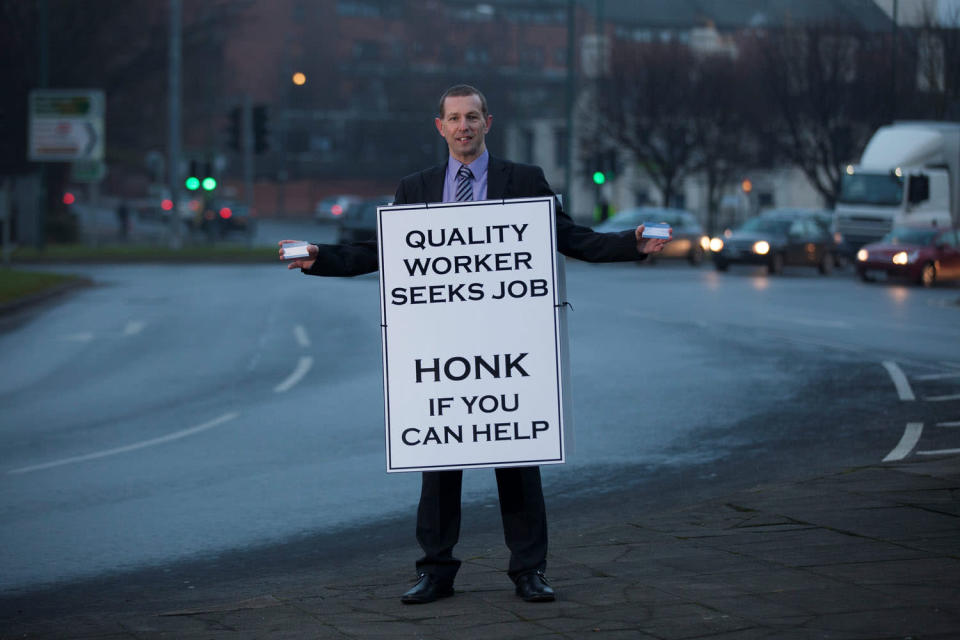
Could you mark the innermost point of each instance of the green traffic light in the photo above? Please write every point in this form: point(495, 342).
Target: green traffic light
point(192, 183)
point(209, 184)
point(598, 177)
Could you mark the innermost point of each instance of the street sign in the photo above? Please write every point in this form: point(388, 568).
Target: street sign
point(88, 171)
point(472, 335)
point(66, 125)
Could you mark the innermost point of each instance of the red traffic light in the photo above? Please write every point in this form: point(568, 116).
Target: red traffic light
point(69, 198)
point(225, 213)
point(167, 204)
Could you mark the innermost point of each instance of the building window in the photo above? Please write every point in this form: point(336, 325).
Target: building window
point(476, 54)
point(366, 50)
point(358, 8)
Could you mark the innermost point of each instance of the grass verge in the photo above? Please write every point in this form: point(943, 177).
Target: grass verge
point(16, 285)
point(142, 253)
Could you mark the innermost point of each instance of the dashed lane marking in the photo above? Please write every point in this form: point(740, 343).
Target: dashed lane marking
point(130, 447)
point(952, 396)
point(899, 381)
point(911, 435)
point(133, 327)
point(302, 368)
point(938, 376)
point(304, 340)
point(949, 424)
point(938, 452)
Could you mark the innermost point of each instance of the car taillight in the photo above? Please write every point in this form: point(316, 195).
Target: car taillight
point(336, 209)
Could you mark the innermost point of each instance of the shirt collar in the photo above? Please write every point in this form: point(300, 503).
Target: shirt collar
point(478, 167)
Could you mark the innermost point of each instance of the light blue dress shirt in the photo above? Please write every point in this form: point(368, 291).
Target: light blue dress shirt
point(479, 170)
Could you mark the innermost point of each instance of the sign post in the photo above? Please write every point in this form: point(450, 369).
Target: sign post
point(472, 335)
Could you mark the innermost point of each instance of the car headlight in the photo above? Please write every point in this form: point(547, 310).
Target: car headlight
point(716, 245)
point(902, 257)
point(862, 255)
point(761, 247)
point(705, 243)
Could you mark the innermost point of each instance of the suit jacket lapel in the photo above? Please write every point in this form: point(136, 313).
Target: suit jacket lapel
point(433, 183)
point(498, 178)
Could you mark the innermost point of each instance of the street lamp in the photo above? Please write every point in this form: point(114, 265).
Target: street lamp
point(299, 79)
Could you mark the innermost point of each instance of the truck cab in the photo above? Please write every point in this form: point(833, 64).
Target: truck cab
point(907, 176)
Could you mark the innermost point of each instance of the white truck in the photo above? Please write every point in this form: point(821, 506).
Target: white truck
point(909, 174)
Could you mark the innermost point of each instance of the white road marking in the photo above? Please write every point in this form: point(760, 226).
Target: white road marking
point(952, 396)
point(937, 452)
point(899, 381)
point(911, 435)
point(938, 376)
point(131, 447)
point(817, 322)
point(302, 368)
point(134, 327)
point(84, 336)
point(304, 340)
point(949, 424)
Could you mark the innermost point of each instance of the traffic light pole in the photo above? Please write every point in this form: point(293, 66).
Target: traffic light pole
point(173, 132)
point(246, 142)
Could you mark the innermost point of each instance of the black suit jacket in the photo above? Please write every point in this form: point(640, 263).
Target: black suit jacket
point(504, 180)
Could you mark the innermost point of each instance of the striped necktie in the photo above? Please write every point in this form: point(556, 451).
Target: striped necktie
point(464, 184)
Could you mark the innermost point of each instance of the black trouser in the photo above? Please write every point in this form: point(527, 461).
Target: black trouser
point(521, 508)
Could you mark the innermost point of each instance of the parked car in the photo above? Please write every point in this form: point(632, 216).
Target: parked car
point(360, 221)
point(689, 241)
point(333, 208)
point(778, 238)
point(924, 255)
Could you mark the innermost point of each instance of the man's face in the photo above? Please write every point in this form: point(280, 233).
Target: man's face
point(463, 126)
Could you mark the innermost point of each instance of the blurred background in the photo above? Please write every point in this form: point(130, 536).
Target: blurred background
point(231, 111)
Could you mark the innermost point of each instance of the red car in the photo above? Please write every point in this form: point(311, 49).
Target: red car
point(924, 255)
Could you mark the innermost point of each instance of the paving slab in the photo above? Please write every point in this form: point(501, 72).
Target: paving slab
point(860, 554)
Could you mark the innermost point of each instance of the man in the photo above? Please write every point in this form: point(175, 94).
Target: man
point(471, 173)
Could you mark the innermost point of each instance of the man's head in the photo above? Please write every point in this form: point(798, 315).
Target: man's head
point(463, 121)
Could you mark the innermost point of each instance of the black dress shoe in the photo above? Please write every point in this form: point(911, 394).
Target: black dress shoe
point(427, 590)
point(533, 587)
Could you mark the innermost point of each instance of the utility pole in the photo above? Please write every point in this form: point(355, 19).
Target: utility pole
point(246, 146)
point(173, 114)
point(43, 81)
point(571, 72)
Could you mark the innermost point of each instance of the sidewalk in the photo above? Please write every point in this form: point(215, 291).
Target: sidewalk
point(867, 554)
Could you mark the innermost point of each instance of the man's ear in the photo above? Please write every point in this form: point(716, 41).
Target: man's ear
point(439, 123)
point(489, 123)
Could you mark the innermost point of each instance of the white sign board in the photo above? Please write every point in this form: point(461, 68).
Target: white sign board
point(471, 335)
point(66, 125)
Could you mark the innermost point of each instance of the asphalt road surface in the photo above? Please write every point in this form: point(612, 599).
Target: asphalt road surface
point(176, 413)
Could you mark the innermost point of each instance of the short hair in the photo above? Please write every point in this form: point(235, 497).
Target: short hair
point(462, 90)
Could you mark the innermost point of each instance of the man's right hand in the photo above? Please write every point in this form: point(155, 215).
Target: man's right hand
point(300, 263)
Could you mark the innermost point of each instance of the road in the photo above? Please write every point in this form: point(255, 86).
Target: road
point(174, 413)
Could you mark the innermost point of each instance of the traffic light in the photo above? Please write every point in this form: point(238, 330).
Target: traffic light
point(261, 129)
point(599, 177)
point(200, 176)
point(235, 129)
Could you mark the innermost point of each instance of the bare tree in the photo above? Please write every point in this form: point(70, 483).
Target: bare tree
point(645, 108)
point(722, 114)
point(827, 90)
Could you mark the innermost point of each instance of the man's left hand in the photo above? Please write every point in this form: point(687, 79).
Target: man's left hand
point(651, 245)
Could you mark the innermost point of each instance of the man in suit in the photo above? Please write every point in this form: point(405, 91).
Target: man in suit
point(471, 173)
